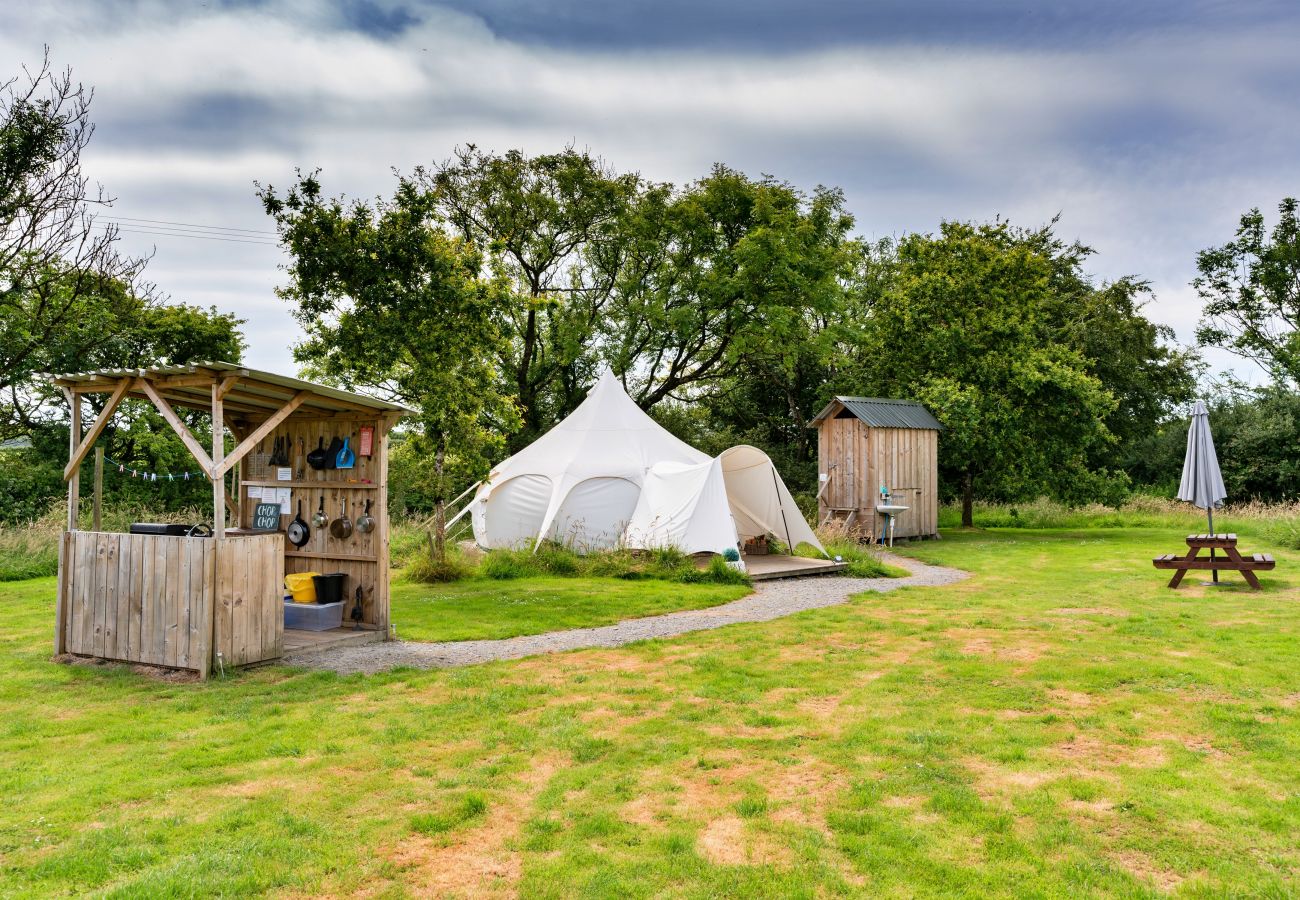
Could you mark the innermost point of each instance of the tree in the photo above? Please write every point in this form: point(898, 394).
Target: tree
point(1251, 289)
point(56, 263)
point(728, 273)
point(553, 226)
point(967, 328)
point(138, 334)
point(392, 302)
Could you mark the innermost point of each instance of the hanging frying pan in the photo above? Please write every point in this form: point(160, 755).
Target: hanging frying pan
point(341, 527)
point(346, 458)
point(320, 520)
point(317, 458)
point(298, 532)
point(332, 454)
point(366, 522)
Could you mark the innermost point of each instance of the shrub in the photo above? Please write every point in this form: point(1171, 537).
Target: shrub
point(506, 564)
point(717, 572)
point(424, 568)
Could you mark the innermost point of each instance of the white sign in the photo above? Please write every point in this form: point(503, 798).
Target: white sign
point(254, 493)
point(282, 496)
point(283, 473)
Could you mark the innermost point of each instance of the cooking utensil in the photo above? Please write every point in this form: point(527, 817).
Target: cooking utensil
point(341, 527)
point(320, 520)
point(332, 455)
point(357, 614)
point(346, 458)
point(301, 472)
point(298, 532)
point(257, 462)
point(316, 458)
point(366, 522)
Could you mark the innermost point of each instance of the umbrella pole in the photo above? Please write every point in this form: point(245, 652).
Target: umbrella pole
point(1214, 572)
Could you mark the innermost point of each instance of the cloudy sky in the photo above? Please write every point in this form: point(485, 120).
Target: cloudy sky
point(1149, 126)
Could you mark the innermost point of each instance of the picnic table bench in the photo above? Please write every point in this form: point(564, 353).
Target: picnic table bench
point(1231, 561)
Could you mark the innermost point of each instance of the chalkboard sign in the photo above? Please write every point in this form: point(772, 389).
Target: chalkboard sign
point(266, 517)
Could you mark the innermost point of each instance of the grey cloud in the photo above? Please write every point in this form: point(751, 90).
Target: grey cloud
point(1150, 142)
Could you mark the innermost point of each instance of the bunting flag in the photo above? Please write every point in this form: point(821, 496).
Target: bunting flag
point(152, 477)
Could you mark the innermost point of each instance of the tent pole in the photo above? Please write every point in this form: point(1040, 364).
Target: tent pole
point(789, 542)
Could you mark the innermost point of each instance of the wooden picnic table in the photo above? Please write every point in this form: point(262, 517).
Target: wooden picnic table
point(1231, 561)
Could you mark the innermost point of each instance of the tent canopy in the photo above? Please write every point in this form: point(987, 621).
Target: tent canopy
point(609, 475)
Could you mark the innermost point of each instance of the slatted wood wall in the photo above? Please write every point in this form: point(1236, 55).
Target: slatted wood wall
point(248, 621)
point(363, 558)
point(156, 599)
point(859, 459)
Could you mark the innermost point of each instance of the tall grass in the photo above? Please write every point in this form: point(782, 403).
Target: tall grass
point(31, 549)
point(1279, 522)
point(554, 559)
point(849, 544)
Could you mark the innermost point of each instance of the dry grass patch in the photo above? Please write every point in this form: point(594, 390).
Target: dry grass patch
point(1144, 868)
point(1088, 611)
point(995, 781)
point(479, 861)
point(729, 841)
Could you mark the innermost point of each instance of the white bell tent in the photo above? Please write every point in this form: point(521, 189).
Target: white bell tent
point(609, 476)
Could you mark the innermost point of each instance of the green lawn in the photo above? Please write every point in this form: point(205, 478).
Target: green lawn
point(1058, 725)
point(486, 608)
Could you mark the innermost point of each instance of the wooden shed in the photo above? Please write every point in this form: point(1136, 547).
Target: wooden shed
point(864, 443)
point(191, 602)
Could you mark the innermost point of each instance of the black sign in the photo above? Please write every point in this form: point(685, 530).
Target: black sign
point(266, 517)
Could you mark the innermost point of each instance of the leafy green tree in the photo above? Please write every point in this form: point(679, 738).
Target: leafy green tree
point(1256, 431)
point(726, 273)
point(56, 264)
point(554, 227)
point(1251, 289)
point(393, 303)
point(967, 328)
point(770, 398)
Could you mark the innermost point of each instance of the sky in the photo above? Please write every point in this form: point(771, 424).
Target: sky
point(1149, 127)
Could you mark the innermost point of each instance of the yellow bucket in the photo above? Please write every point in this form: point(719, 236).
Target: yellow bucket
point(300, 585)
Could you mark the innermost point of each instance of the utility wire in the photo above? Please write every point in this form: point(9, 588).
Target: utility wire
point(190, 234)
point(127, 219)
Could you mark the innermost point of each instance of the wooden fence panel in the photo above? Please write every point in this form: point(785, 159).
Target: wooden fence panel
point(157, 599)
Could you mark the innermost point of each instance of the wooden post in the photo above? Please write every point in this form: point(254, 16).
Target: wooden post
point(381, 530)
point(218, 473)
point(218, 477)
point(74, 439)
point(207, 631)
point(97, 517)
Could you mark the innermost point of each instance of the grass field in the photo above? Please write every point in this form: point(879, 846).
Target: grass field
point(487, 608)
point(1058, 724)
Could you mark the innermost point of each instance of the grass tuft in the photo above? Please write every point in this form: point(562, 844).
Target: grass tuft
point(467, 809)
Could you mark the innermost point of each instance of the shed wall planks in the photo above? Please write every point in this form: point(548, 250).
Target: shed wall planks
point(859, 459)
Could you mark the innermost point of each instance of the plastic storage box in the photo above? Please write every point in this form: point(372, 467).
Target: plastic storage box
point(313, 616)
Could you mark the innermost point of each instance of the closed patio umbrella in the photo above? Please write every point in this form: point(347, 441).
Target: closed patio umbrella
point(1202, 483)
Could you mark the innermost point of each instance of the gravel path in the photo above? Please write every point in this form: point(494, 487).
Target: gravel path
point(770, 600)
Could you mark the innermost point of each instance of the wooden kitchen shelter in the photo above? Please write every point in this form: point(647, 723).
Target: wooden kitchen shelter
point(866, 442)
point(191, 602)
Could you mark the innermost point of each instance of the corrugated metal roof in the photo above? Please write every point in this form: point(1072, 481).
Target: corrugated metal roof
point(879, 412)
point(257, 391)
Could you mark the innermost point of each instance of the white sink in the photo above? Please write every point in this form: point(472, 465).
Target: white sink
point(891, 508)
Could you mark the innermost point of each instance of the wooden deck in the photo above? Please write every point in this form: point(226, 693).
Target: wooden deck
point(299, 641)
point(762, 568)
